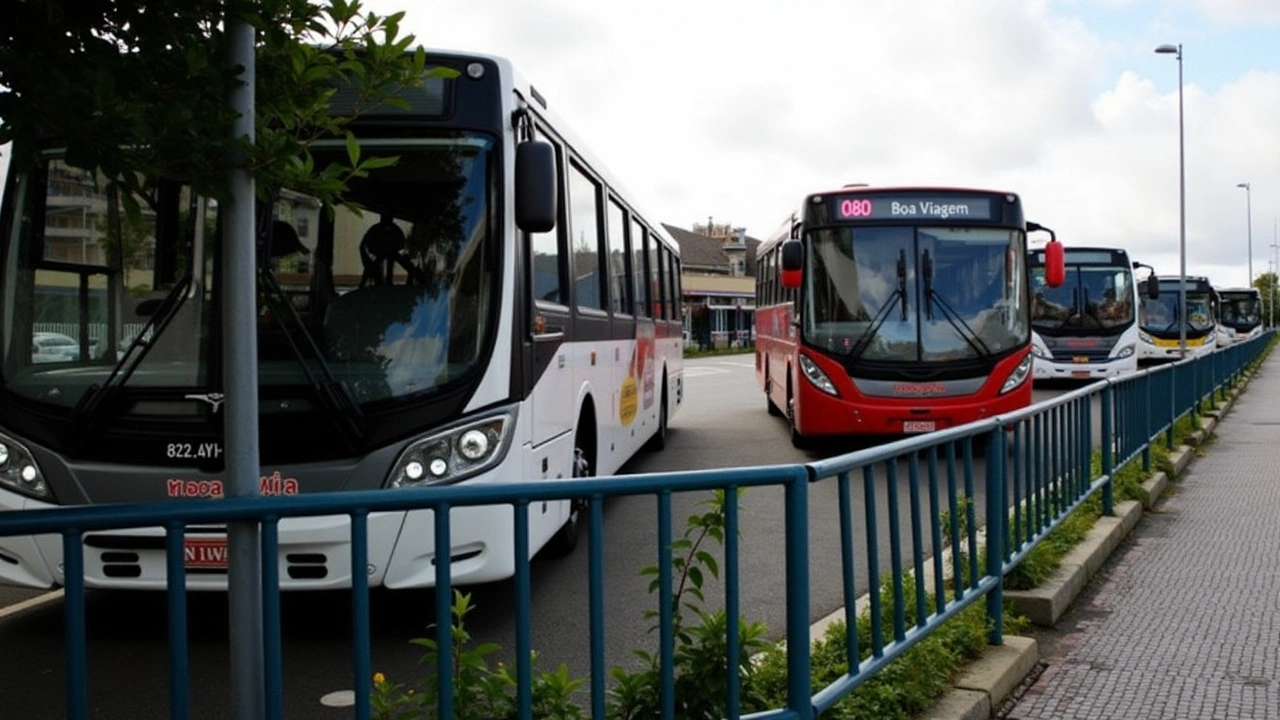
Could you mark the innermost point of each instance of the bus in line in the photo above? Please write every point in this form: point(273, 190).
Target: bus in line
point(1161, 323)
point(1087, 328)
point(497, 309)
point(895, 310)
point(1240, 315)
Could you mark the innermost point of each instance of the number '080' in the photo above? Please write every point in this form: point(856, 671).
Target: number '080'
point(855, 208)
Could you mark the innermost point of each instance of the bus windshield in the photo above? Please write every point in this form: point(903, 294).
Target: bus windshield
point(1161, 315)
point(1241, 311)
point(390, 296)
point(915, 294)
point(1093, 298)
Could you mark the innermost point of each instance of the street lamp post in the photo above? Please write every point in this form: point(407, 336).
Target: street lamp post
point(1275, 248)
point(1248, 209)
point(1176, 51)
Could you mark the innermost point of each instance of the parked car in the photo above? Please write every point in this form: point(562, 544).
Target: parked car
point(54, 347)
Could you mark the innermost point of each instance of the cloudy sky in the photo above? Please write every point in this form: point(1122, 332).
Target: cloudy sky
point(734, 109)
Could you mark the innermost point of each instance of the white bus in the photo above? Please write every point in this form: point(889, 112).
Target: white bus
point(500, 310)
point(1239, 315)
point(1087, 328)
point(1161, 322)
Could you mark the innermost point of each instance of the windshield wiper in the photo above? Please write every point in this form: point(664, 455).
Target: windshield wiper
point(899, 294)
point(949, 314)
point(333, 393)
point(87, 412)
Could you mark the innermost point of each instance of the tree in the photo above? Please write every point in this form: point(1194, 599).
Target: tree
point(1266, 284)
point(138, 89)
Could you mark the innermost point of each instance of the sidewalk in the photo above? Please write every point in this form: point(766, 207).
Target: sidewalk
point(1184, 619)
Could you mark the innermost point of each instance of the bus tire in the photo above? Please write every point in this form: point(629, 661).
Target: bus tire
point(798, 441)
point(567, 537)
point(774, 410)
point(659, 439)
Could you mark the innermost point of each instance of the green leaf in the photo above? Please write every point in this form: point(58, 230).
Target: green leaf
point(353, 149)
point(695, 577)
point(377, 162)
point(709, 561)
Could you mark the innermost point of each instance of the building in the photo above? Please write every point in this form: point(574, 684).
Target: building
point(719, 286)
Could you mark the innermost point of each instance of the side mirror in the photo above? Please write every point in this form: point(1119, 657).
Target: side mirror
point(792, 264)
point(536, 206)
point(1055, 264)
point(1153, 289)
point(1055, 261)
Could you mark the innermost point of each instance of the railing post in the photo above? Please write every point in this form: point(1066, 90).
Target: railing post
point(996, 462)
point(1212, 384)
point(799, 699)
point(1147, 418)
point(1108, 437)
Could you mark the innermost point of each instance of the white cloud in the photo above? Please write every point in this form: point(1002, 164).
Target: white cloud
point(1241, 12)
point(736, 110)
point(732, 110)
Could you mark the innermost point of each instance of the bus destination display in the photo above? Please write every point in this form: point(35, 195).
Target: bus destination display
point(913, 207)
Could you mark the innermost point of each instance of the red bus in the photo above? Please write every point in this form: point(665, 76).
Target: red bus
point(896, 310)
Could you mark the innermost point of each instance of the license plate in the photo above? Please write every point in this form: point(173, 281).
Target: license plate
point(205, 552)
point(918, 426)
point(1080, 374)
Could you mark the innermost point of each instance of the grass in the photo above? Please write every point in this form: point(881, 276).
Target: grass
point(904, 687)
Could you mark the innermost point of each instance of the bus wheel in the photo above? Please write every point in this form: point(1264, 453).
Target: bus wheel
point(659, 439)
point(566, 538)
point(798, 441)
point(774, 410)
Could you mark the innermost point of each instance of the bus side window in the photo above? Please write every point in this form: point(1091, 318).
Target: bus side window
point(547, 260)
point(589, 264)
point(618, 259)
point(640, 267)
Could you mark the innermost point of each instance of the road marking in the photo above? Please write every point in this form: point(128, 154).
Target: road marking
point(738, 364)
point(701, 371)
point(30, 603)
point(339, 698)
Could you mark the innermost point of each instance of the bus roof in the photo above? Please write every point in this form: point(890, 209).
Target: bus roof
point(784, 229)
point(847, 189)
point(515, 81)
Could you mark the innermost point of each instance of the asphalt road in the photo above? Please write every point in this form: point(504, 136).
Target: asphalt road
point(723, 424)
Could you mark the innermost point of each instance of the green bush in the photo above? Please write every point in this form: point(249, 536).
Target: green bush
point(905, 686)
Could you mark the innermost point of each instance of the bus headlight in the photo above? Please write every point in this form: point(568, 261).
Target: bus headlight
point(454, 454)
point(1018, 376)
point(19, 471)
point(1144, 337)
point(817, 377)
point(1125, 352)
point(1040, 352)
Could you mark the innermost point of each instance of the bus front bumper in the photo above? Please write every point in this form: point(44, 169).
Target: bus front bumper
point(314, 552)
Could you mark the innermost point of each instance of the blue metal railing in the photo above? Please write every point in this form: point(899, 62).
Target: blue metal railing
point(1039, 469)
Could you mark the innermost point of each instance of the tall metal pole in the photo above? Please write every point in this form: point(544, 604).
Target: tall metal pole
point(1248, 205)
point(240, 385)
point(1275, 278)
point(1176, 50)
point(1182, 219)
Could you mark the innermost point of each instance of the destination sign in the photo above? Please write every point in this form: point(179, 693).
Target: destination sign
point(911, 207)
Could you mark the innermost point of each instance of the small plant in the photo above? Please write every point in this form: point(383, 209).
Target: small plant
point(905, 686)
point(701, 657)
point(480, 692)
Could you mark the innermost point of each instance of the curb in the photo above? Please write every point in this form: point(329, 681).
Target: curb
point(987, 682)
point(1047, 602)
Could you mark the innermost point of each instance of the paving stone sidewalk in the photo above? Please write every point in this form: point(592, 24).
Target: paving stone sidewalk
point(1184, 621)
